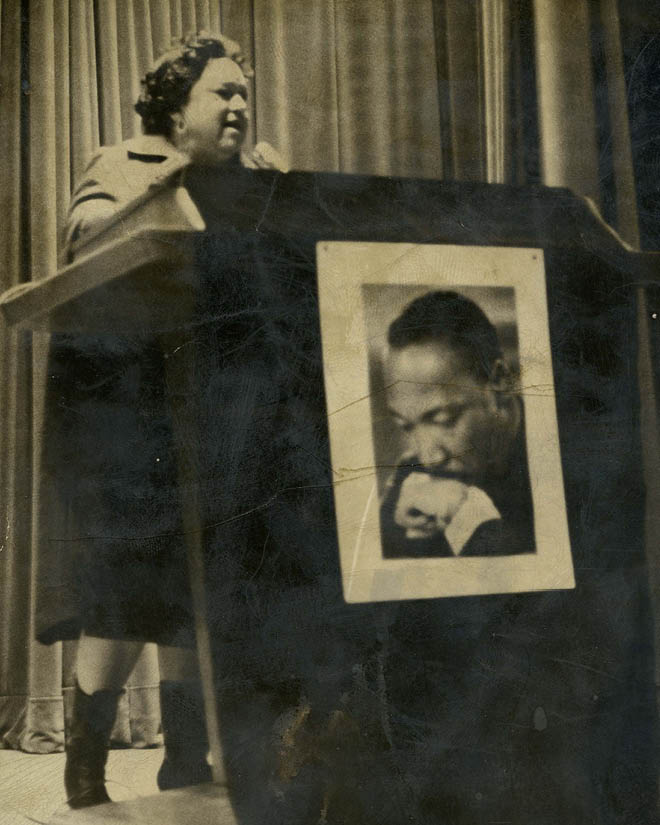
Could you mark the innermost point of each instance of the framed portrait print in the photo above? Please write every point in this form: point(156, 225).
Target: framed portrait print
point(442, 420)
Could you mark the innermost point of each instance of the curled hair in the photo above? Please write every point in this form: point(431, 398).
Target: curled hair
point(166, 87)
point(451, 319)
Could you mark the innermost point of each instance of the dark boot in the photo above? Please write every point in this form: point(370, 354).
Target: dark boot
point(87, 747)
point(184, 732)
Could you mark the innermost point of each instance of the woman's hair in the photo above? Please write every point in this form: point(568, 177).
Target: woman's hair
point(166, 87)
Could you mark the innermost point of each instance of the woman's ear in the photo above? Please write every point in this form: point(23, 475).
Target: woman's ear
point(178, 134)
point(178, 121)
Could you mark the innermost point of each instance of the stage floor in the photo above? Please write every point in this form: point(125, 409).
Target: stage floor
point(32, 791)
point(32, 787)
point(201, 805)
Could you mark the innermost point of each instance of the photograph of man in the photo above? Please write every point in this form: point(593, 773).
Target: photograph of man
point(461, 488)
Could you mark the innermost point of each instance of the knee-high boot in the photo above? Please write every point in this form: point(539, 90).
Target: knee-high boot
point(184, 732)
point(87, 747)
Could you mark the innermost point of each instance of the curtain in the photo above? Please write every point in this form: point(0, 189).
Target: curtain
point(424, 88)
point(70, 74)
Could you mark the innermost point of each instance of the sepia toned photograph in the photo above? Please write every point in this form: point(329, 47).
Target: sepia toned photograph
point(329, 380)
point(448, 475)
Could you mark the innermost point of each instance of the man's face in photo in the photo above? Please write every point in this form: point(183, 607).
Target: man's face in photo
point(452, 419)
point(211, 126)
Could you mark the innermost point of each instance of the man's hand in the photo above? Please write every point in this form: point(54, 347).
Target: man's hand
point(427, 505)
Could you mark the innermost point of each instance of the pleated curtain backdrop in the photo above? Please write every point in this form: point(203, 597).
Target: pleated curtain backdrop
point(427, 88)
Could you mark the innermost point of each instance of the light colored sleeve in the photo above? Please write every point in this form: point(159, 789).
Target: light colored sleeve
point(93, 201)
point(116, 176)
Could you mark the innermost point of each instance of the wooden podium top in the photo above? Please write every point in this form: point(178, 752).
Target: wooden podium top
point(137, 272)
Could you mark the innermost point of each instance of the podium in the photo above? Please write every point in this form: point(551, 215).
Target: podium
point(514, 706)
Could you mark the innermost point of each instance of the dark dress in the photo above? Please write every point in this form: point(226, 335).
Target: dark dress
point(111, 554)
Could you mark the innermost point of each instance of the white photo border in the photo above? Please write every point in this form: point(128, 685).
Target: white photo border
point(343, 267)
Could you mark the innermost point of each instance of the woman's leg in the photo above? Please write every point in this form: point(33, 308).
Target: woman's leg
point(183, 719)
point(102, 668)
point(105, 664)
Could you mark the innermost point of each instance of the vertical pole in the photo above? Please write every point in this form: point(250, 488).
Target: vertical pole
point(495, 49)
point(624, 175)
point(179, 357)
point(569, 151)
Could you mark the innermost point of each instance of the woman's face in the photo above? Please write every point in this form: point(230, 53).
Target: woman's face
point(211, 127)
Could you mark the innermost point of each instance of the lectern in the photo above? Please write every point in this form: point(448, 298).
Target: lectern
point(349, 687)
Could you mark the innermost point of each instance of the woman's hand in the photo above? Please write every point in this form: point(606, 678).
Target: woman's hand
point(264, 156)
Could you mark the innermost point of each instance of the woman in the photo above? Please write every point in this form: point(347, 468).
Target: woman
point(117, 578)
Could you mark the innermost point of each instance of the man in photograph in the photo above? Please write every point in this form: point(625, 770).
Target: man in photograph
point(462, 486)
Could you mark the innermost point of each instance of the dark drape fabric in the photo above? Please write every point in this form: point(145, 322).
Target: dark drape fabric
point(581, 74)
point(424, 88)
point(640, 57)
